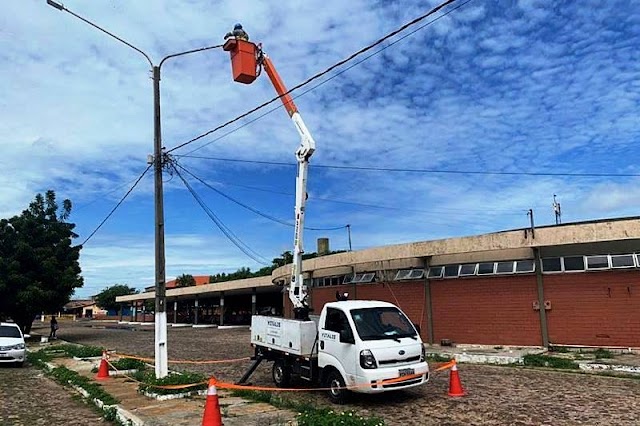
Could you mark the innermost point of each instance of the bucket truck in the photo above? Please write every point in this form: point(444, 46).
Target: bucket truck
point(353, 345)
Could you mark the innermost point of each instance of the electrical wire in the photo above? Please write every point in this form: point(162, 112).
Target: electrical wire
point(256, 211)
point(252, 254)
point(117, 205)
point(101, 197)
point(468, 212)
point(403, 170)
point(331, 68)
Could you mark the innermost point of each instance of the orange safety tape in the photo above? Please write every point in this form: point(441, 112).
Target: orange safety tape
point(219, 361)
point(445, 366)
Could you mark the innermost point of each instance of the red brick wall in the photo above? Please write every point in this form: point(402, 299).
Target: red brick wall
point(410, 298)
point(594, 308)
point(491, 310)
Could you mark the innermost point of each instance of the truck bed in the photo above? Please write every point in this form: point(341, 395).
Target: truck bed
point(287, 335)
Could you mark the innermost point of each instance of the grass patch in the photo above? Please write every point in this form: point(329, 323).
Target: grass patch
point(39, 359)
point(308, 415)
point(67, 377)
point(129, 364)
point(534, 360)
point(602, 353)
point(149, 382)
point(77, 351)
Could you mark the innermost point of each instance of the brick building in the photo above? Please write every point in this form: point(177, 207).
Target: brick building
point(571, 284)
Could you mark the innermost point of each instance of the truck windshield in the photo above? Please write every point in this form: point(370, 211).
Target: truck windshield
point(9, 331)
point(382, 323)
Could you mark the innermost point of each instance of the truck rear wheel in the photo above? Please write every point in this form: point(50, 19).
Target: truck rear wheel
point(338, 392)
point(281, 374)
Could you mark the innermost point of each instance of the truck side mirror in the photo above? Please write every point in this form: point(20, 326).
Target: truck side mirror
point(346, 337)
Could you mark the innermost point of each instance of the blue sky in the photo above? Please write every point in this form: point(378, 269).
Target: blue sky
point(509, 86)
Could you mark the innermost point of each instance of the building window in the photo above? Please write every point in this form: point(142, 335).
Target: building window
point(403, 274)
point(597, 262)
point(574, 263)
point(524, 266)
point(551, 264)
point(468, 269)
point(360, 278)
point(435, 272)
point(504, 268)
point(451, 271)
point(622, 261)
point(416, 274)
point(485, 268)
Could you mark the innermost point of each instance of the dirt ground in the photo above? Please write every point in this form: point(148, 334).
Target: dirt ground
point(496, 395)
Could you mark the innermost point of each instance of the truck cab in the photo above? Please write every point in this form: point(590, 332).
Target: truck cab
point(368, 346)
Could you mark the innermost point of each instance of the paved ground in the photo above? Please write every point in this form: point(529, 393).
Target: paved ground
point(27, 398)
point(497, 395)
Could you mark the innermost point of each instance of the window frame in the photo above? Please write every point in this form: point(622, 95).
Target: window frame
point(404, 276)
point(457, 266)
point(633, 260)
point(559, 271)
point(513, 267)
point(493, 269)
point(475, 269)
point(528, 271)
point(431, 268)
point(586, 262)
point(570, 271)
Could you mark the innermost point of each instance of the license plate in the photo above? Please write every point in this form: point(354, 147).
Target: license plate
point(406, 371)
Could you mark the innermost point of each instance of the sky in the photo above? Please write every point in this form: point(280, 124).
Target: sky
point(523, 86)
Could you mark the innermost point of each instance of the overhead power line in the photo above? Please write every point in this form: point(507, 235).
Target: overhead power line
point(254, 210)
point(332, 67)
point(117, 205)
point(252, 254)
point(408, 170)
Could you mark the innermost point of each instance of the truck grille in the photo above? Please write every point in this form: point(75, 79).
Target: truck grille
point(403, 383)
point(390, 362)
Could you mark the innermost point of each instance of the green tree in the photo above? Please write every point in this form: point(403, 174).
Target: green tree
point(39, 267)
point(185, 280)
point(106, 299)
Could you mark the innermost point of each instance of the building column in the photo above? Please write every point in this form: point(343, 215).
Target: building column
point(134, 312)
point(195, 315)
point(428, 303)
point(543, 313)
point(121, 311)
point(221, 308)
point(175, 311)
point(254, 301)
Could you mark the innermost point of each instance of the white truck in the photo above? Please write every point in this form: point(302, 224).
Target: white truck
point(354, 345)
point(360, 346)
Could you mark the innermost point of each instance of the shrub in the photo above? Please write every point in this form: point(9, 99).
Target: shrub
point(602, 353)
point(65, 377)
point(77, 351)
point(533, 360)
point(128, 364)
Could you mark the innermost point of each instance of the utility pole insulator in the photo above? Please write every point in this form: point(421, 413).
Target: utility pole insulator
point(150, 159)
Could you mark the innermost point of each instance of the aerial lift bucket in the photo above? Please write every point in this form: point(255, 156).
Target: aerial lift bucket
point(243, 60)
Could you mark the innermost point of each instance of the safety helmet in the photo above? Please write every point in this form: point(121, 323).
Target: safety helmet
point(237, 27)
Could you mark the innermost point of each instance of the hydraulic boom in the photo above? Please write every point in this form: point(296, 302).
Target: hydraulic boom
point(297, 289)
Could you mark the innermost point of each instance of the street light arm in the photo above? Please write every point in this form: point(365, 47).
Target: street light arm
point(61, 7)
point(217, 46)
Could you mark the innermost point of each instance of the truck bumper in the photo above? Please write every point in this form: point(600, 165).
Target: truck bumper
point(385, 379)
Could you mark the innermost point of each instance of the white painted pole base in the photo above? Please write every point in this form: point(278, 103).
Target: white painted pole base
point(162, 368)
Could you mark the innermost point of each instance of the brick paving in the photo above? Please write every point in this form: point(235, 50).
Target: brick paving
point(496, 395)
point(28, 398)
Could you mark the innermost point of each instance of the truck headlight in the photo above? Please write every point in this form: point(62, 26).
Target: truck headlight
point(367, 360)
point(423, 355)
point(18, 346)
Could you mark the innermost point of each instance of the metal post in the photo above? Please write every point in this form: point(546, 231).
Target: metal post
point(221, 308)
point(161, 355)
point(428, 303)
point(254, 301)
point(543, 313)
point(195, 316)
point(349, 234)
point(175, 312)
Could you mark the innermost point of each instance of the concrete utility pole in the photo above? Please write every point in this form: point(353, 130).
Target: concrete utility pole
point(159, 161)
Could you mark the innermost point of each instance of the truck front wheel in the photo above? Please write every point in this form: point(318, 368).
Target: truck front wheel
point(338, 392)
point(281, 374)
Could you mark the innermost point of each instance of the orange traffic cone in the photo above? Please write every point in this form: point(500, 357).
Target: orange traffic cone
point(455, 387)
point(103, 371)
point(212, 416)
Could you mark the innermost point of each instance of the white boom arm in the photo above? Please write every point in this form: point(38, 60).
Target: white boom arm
point(297, 289)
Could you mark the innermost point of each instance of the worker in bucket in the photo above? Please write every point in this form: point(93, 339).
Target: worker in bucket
point(238, 33)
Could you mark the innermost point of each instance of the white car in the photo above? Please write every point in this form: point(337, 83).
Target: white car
point(12, 346)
